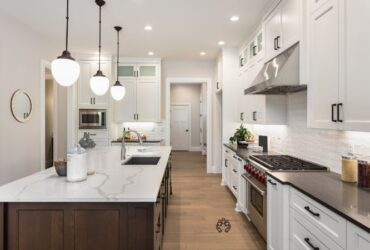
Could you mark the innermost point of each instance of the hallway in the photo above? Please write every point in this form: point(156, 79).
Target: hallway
point(198, 202)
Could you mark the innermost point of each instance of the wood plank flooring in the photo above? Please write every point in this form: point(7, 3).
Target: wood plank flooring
point(198, 201)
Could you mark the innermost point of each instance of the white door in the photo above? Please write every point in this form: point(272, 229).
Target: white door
point(85, 94)
point(125, 110)
point(148, 101)
point(355, 89)
point(324, 66)
point(180, 127)
point(273, 33)
point(290, 22)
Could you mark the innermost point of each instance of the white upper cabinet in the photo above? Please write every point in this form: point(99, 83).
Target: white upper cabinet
point(86, 98)
point(148, 101)
point(125, 110)
point(283, 27)
point(252, 52)
point(324, 66)
point(338, 87)
point(142, 101)
point(354, 102)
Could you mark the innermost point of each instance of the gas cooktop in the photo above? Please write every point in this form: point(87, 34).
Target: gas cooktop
point(286, 163)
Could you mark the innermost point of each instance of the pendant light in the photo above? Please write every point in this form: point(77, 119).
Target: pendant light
point(65, 69)
point(99, 83)
point(117, 90)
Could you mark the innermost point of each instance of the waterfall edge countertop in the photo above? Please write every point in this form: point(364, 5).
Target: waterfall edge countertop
point(112, 181)
point(345, 199)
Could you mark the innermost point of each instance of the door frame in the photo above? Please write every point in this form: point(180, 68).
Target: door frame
point(44, 66)
point(191, 80)
point(189, 120)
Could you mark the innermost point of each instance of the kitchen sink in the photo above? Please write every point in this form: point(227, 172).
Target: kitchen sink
point(137, 160)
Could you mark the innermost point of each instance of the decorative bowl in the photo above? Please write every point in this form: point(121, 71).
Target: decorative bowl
point(61, 168)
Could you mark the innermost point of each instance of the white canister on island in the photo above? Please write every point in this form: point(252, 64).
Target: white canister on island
point(77, 165)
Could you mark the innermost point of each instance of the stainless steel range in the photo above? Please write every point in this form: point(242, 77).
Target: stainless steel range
point(256, 169)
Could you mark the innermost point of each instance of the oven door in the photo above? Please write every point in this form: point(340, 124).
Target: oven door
point(92, 119)
point(257, 204)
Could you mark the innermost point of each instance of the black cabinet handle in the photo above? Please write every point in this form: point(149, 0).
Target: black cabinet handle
point(254, 115)
point(332, 112)
point(235, 171)
point(311, 212)
point(254, 50)
point(338, 112)
point(277, 42)
point(226, 163)
point(307, 240)
point(218, 85)
point(242, 116)
point(271, 182)
point(235, 188)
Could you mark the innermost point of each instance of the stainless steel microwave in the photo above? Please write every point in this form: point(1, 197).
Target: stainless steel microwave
point(93, 119)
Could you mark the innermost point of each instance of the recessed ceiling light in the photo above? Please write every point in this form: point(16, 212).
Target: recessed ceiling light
point(234, 18)
point(202, 53)
point(148, 27)
point(150, 53)
point(221, 43)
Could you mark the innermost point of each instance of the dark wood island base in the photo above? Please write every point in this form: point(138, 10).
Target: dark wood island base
point(84, 226)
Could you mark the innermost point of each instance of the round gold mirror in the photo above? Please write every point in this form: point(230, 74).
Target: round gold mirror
point(21, 106)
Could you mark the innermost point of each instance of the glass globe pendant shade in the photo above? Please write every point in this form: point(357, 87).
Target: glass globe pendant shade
point(65, 70)
point(118, 91)
point(99, 84)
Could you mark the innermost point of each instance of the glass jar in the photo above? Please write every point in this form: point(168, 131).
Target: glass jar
point(363, 173)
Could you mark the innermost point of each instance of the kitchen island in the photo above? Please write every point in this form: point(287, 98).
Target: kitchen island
point(119, 207)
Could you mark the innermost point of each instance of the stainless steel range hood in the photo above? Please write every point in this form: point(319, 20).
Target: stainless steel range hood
point(278, 76)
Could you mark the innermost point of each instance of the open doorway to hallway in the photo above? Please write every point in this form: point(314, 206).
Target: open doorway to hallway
point(53, 118)
point(188, 117)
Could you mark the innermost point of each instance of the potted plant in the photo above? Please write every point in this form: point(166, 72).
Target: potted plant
point(242, 135)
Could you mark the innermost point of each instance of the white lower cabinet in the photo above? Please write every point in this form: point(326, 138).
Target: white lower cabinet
point(304, 235)
point(357, 239)
point(295, 222)
point(277, 215)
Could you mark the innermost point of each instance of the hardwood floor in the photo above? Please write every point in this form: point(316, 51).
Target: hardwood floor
point(197, 203)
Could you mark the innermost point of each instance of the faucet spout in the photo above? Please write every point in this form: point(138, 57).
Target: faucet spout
point(123, 145)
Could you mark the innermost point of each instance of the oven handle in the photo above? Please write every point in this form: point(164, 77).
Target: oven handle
point(262, 192)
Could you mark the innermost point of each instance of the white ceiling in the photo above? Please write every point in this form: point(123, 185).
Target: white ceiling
point(181, 28)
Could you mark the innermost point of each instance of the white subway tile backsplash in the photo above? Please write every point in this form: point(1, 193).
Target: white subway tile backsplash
point(318, 145)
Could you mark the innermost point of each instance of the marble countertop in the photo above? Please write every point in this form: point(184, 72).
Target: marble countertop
point(112, 181)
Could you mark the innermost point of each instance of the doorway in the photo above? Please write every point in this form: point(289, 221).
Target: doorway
point(49, 119)
point(206, 106)
point(181, 127)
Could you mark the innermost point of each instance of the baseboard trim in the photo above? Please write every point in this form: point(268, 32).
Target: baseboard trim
point(194, 149)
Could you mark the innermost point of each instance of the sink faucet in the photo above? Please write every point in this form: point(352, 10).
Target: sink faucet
point(123, 145)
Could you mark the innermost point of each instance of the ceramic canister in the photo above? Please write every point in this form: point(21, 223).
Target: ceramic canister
point(77, 165)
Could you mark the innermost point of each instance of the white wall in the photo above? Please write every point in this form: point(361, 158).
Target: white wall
point(317, 145)
point(189, 93)
point(21, 52)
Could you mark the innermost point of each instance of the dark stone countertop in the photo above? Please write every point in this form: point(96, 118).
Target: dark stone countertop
point(345, 199)
point(243, 153)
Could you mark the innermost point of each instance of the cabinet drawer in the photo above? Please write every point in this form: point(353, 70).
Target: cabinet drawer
point(234, 184)
point(315, 4)
point(333, 225)
point(304, 235)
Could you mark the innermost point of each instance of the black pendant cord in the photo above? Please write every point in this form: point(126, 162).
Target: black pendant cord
point(99, 34)
point(117, 51)
point(67, 26)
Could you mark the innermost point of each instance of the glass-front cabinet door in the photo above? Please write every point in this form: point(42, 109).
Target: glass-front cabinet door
point(259, 42)
point(127, 71)
point(146, 71)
